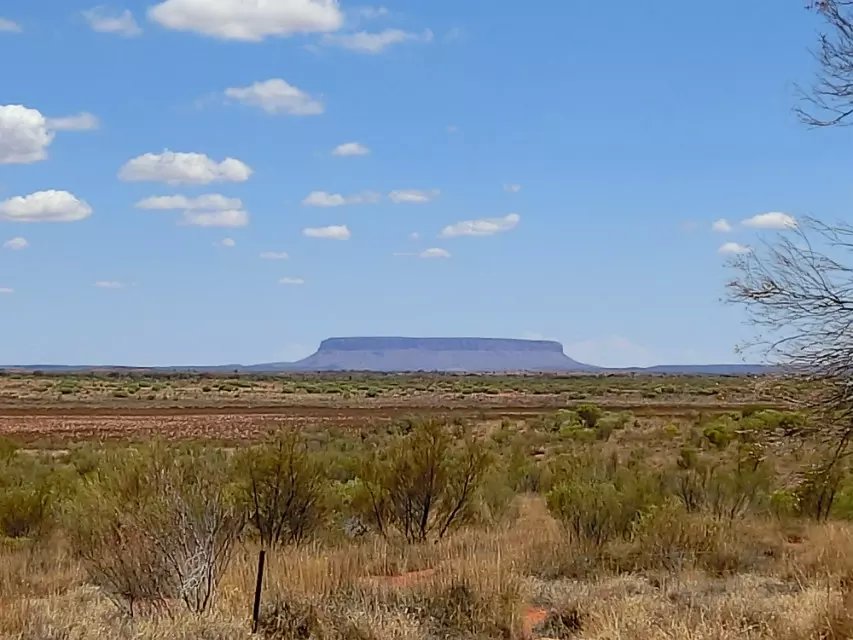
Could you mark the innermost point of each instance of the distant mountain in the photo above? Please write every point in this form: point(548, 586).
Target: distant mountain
point(434, 354)
point(710, 369)
point(397, 354)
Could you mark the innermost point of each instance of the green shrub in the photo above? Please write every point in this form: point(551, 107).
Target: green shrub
point(281, 489)
point(524, 474)
point(842, 507)
point(424, 483)
point(724, 488)
point(720, 432)
point(769, 420)
point(496, 496)
point(667, 535)
point(818, 487)
point(31, 492)
point(579, 433)
point(671, 431)
point(156, 524)
point(589, 414)
point(590, 511)
point(783, 503)
point(598, 500)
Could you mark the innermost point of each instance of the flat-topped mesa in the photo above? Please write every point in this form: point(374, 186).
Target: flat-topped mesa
point(439, 344)
point(438, 354)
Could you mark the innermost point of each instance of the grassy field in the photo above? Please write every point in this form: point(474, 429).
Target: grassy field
point(419, 507)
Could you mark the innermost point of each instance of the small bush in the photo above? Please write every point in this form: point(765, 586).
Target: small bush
point(783, 503)
point(30, 494)
point(157, 524)
point(598, 501)
point(460, 610)
point(281, 489)
point(290, 618)
point(667, 535)
point(724, 488)
point(589, 415)
point(423, 484)
point(524, 473)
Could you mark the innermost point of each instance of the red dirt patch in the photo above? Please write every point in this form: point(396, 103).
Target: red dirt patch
point(533, 617)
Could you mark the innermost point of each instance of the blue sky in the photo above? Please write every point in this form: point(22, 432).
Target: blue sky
point(569, 157)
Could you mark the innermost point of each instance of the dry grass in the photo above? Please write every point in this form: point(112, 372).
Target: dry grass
point(506, 582)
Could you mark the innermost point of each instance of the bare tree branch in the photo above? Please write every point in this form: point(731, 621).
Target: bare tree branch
point(829, 102)
point(798, 292)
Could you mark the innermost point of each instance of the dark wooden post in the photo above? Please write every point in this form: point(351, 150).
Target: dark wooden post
point(256, 609)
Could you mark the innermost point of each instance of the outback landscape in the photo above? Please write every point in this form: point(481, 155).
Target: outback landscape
point(680, 471)
point(134, 505)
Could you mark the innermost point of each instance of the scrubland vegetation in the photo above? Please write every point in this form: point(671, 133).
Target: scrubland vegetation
point(117, 387)
point(581, 522)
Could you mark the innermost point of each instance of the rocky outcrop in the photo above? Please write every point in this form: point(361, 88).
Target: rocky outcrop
point(438, 354)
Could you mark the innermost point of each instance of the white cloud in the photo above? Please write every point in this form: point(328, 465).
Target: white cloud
point(248, 20)
point(24, 135)
point(109, 284)
point(482, 227)
point(434, 253)
point(81, 122)
point(227, 243)
point(229, 218)
point(326, 199)
point(772, 220)
point(276, 97)
point(733, 248)
point(373, 43)
point(206, 202)
point(512, 188)
point(16, 244)
point(45, 206)
point(208, 210)
point(350, 149)
point(274, 255)
point(105, 20)
point(721, 226)
point(294, 281)
point(412, 196)
point(183, 168)
point(6, 290)
point(9, 26)
point(333, 232)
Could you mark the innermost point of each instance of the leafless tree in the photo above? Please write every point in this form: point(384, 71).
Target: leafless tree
point(798, 291)
point(830, 100)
